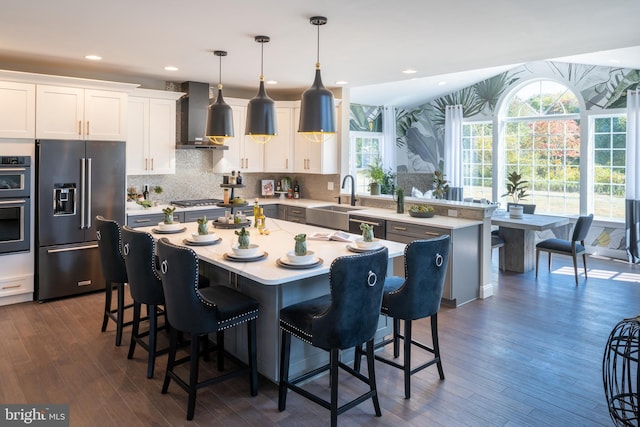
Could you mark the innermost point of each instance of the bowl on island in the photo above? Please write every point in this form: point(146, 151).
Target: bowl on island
point(169, 227)
point(251, 251)
point(292, 258)
point(361, 244)
point(203, 237)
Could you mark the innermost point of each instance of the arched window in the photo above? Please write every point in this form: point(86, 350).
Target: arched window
point(541, 141)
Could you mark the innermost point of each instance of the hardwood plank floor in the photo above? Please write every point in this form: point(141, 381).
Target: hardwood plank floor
point(530, 355)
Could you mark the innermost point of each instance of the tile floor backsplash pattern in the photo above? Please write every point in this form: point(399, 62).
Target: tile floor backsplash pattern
point(194, 180)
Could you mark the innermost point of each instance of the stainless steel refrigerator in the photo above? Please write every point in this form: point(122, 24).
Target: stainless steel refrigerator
point(75, 181)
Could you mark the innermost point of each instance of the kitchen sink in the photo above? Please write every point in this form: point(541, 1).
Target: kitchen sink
point(330, 216)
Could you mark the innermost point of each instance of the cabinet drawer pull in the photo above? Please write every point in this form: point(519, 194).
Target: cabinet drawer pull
point(296, 212)
point(11, 286)
point(399, 228)
point(140, 221)
point(431, 233)
point(359, 221)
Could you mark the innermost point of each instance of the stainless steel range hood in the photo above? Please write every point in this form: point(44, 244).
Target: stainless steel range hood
point(193, 117)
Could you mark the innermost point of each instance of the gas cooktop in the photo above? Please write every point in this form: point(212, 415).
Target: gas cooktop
point(197, 202)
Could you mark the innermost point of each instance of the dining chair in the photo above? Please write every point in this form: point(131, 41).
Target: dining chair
point(345, 318)
point(573, 247)
point(114, 272)
point(200, 311)
point(415, 296)
point(145, 285)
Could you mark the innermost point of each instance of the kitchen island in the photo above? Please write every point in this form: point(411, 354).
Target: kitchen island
point(273, 286)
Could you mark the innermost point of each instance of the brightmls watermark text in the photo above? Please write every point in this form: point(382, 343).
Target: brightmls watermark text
point(34, 415)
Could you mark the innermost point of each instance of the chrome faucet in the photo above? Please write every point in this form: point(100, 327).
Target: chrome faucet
point(353, 188)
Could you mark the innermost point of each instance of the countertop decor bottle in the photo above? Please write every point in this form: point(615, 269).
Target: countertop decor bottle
point(145, 193)
point(260, 220)
point(239, 178)
point(296, 191)
point(226, 196)
point(256, 213)
point(232, 178)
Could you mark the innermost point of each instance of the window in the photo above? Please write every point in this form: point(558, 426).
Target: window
point(542, 142)
point(477, 154)
point(609, 134)
point(366, 147)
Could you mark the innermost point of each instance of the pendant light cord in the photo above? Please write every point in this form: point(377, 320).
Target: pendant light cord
point(318, 49)
point(220, 72)
point(262, 60)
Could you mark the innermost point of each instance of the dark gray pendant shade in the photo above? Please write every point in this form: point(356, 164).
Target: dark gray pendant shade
point(220, 116)
point(261, 111)
point(219, 120)
point(317, 113)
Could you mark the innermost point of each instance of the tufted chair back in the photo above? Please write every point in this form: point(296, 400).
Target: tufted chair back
point(186, 311)
point(139, 250)
point(425, 270)
point(356, 294)
point(110, 248)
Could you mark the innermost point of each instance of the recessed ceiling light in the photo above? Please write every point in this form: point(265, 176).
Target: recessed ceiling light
point(93, 57)
point(442, 83)
point(342, 82)
point(170, 68)
point(272, 82)
point(409, 71)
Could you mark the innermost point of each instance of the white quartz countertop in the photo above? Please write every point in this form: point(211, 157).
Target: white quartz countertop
point(280, 241)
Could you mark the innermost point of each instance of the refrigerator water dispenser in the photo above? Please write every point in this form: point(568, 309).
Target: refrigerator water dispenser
point(64, 199)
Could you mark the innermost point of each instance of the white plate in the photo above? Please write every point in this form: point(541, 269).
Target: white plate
point(203, 237)
point(244, 253)
point(168, 227)
point(361, 244)
point(292, 258)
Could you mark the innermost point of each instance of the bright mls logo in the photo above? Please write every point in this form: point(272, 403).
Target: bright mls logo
point(38, 415)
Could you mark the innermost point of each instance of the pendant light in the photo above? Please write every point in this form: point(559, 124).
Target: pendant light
point(261, 112)
point(220, 117)
point(317, 111)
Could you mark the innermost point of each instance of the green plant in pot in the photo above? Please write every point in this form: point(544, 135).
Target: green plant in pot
point(203, 227)
point(440, 185)
point(516, 187)
point(376, 174)
point(168, 214)
point(301, 244)
point(243, 238)
point(367, 232)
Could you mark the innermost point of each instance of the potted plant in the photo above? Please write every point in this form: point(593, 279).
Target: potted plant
point(203, 228)
point(517, 190)
point(367, 232)
point(301, 244)
point(376, 174)
point(440, 185)
point(168, 214)
point(243, 238)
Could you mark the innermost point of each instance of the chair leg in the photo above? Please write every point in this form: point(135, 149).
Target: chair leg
point(284, 370)
point(501, 259)
point(357, 358)
point(252, 357)
point(220, 349)
point(396, 338)
point(193, 376)
point(584, 263)
point(108, 289)
point(152, 311)
point(436, 344)
point(135, 328)
point(537, 261)
point(407, 359)
point(549, 261)
point(334, 352)
point(171, 360)
point(120, 311)
point(372, 377)
point(575, 267)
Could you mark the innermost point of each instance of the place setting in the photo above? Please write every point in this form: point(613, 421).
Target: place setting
point(299, 258)
point(173, 228)
point(243, 250)
point(202, 239)
point(360, 245)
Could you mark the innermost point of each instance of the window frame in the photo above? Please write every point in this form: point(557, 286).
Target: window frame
point(362, 180)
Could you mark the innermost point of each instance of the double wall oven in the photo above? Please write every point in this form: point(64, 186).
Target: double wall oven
point(15, 204)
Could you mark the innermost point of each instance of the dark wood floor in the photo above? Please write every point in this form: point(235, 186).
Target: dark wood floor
point(528, 356)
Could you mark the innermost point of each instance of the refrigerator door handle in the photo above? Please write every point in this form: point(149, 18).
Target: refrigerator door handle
point(89, 190)
point(83, 171)
point(75, 248)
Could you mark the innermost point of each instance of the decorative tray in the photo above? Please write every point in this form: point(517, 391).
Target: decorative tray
point(421, 214)
point(284, 264)
point(217, 224)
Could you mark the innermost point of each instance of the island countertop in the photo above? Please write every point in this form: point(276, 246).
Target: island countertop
point(277, 243)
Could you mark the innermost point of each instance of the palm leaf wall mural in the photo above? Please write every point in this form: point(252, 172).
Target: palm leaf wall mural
point(365, 118)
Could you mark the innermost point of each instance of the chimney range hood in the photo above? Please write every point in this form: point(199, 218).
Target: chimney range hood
point(193, 117)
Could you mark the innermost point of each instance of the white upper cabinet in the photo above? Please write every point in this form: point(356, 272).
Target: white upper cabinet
point(76, 113)
point(315, 157)
point(151, 134)
point(17, 110)
point(244, 154)
point(278, 152)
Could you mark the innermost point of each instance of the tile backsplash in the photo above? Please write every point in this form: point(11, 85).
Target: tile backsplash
point(194, 179)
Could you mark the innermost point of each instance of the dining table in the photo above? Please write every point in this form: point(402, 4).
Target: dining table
point(519, 235)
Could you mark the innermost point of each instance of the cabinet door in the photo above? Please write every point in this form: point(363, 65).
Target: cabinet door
point(105, 115)
point(300, 145)
point(252, 159)
point(231, 159)
point(59, 112)
point(137, 136)
point(315, 157)
point(278, 151)
point(17, 110)
point(162, 136)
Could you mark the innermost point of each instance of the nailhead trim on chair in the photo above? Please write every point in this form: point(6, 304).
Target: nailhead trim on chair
point(302, 335)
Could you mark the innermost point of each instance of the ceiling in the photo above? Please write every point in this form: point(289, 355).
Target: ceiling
point(368, 43)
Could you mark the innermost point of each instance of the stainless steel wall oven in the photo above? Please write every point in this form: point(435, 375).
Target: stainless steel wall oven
point(15, 204)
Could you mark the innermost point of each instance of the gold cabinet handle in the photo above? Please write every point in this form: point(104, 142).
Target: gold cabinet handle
point(152, 163)
point(146, 163)
point(286, 163)
point(87, 127)
point(431, 233)
point(400, 228)
point(79, 127)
